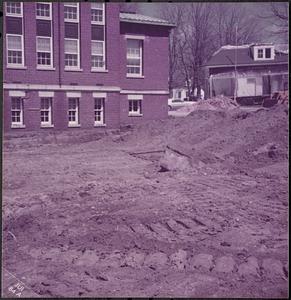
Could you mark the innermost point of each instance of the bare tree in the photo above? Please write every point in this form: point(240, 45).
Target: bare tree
point(278, 17)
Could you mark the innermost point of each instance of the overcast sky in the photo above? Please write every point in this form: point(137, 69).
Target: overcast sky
point(253, 9)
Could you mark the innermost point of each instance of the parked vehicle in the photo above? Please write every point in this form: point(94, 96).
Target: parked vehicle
point(178, 103)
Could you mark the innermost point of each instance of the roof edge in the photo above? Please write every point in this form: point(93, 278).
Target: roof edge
point(148, 23)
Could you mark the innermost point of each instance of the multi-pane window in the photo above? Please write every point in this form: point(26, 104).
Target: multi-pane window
point(268, 52)
point(14, 49)
point(71, 53)
point(14, 8)
point(134, 57)
point(97, 54)
point(43, 10)
point(97, 13)
point(71, 12)
point(44, 51)
point(73, 111)
point(16, 111)
point(260, 53)
point(135, 107)
point(46, 111)
point(99, 110)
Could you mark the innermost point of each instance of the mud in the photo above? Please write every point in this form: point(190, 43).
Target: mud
point(93, 215)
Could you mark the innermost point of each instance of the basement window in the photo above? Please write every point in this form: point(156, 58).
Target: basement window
point(135, 107)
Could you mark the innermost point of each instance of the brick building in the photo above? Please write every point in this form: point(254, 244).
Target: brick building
point(82, 65)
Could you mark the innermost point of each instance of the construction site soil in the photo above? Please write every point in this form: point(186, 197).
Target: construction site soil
point(185, 207)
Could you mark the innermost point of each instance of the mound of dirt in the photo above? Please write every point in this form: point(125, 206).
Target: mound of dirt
point(216, 103)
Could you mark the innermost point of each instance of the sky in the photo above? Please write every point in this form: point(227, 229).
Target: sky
point(252, 8)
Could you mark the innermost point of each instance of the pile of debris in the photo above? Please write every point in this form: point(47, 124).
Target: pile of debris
point(216, 103)
point(219, 102)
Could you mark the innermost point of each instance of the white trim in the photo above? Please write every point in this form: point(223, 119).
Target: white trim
point(48, 87)
point(16, 94)
point(134, 37)
point(135, 97)
point(44, 17)
point(50, 52)
point(45, 68)
point(96, 70)
point(22, 50)
point(267, 63)
point(56, 87)
point(14, 15)
point(132, 114)
point(149, 92)
point(46, 94)
point(14, 125)
point(73, 94)
point(70, 4)
point(99, 95)
point(48, 123)
point(77, 67)
point(103, 14)
point(132, 75)
point(16, 67)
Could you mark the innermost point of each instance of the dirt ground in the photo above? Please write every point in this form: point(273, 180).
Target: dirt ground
point(203, 214)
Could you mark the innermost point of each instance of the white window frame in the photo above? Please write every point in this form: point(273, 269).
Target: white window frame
point(133, 113)
point(140, 74)
point(103, 14)
point(78, 55)
point(49, 110)
point(70, 4)
point(44, 17)
point(102, 111)
point(20, 123)
point(263, 49)
point(51, 53)
point(13, 14)
point(75, 123)
point(22, 50)
point(103, 55)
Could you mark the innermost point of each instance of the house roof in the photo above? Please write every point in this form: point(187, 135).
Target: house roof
point(225, 56)
point(137, 18)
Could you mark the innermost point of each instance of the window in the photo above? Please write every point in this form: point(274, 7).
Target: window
point(73, 111)
point(260, 53)
point(97, 13)
point(14, 9)
point(97, 54)
point(17, 111)
point(43, 10)
point(71, 12)
point(15, 49)
point(44, 51)
point(72, 53)
point(134, 57)
point(99, 111)
point(46, 111)
point(268, 52)
point(135, 107)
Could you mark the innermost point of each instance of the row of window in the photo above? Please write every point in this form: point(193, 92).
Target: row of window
point(44, 42)
point(71, 11)
point(46, 111)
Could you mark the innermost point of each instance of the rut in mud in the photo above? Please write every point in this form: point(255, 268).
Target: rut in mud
point(96, 217)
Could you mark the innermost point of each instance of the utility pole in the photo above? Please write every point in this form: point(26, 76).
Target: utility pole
point(235, 63)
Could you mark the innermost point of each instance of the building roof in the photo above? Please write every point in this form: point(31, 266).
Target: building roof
point(137, 18)
point(225, 56)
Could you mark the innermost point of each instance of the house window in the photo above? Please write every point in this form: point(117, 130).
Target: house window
point(14, 9)
point(43, 10)
point(73, 111)
point(44, 51)
point(268, 52)
point(71, 12)
point(134, 57)
point(17, 111)
point(72, 55)
point(46, 111)
point(99, 111)
point(260, 53)
point(134, 107)
point(97, 13)
point(15, 49)
point(97, 55)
